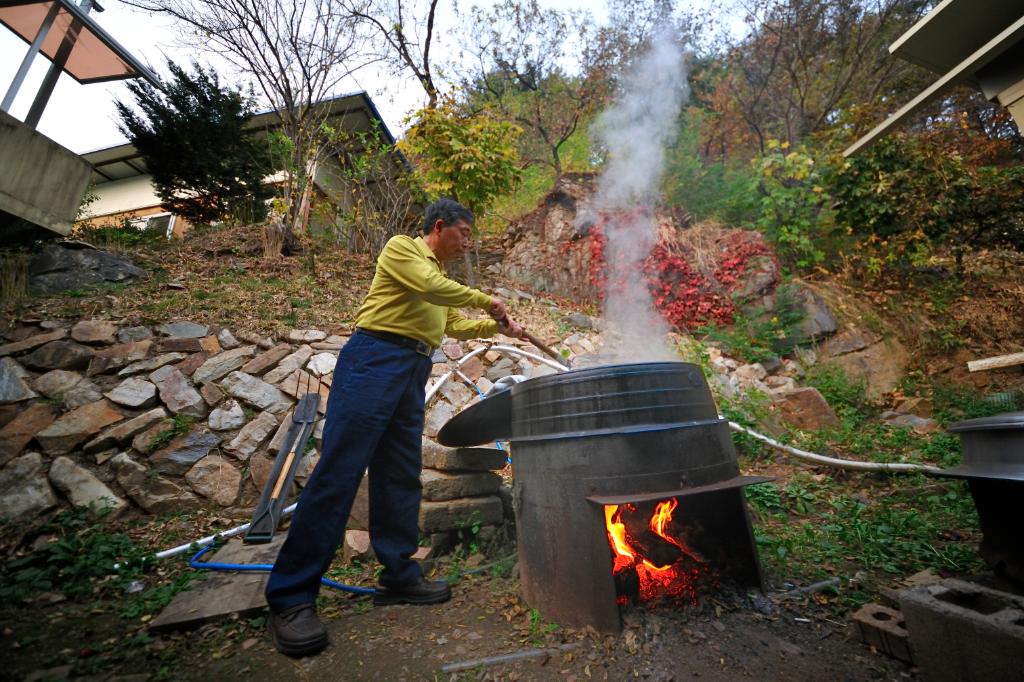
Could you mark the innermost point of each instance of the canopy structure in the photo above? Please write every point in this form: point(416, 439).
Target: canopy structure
point(64, 33)
point(975, 42)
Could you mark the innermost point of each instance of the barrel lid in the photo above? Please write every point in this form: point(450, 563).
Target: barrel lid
point(1006, 420)
point(490, 419)
point(986, 471)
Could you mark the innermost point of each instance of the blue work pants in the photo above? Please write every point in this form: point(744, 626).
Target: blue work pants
point(374, 421)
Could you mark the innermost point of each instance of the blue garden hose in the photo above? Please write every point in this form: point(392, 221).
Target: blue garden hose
point(194, 562)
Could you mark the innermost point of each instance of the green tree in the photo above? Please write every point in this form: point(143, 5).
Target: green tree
point(911, 193)
point(469, 157)
point(205, 166)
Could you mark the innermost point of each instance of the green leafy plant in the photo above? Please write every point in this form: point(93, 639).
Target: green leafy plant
point(469, 157)
point(82, 553)
point(794, 203)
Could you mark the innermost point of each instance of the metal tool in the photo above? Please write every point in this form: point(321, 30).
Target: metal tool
point(268, 512)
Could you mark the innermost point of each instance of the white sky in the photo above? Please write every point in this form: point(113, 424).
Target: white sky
point(83, 118)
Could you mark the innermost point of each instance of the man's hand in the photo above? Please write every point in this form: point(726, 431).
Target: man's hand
point(497, 309)
point(510, 327)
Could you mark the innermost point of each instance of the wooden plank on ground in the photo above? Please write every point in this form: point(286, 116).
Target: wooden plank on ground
point(222, 593)
point(996, 362)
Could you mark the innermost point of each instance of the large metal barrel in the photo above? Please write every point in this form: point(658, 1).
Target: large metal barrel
point(647, 430)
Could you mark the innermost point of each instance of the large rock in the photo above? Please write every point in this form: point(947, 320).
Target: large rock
point(82, 488)
point(63, 435)
point(133, 392)
point(215, 478)
point(227, 416)
point(252, 435)
point(125, 431)
point(437, 456)
point(56, 383)
point(267, 359)
point(306, 335)
point(177, 394)
point(183, 330)
point(153, 437)
point(227, 340)
point(437, 416)
point(62, 354)
point(13, 385)
point(438, 485)
point(117, 356)
point(183, 452)
point(31, 342)
point(222, 363)
point(94, 331)
point(75, 265)
point(818, 321)
point(256, 392)
point(289, 364)
point(880, 365)
point(155, 494)
point(18, 432)
point(153, 363)
point(322, 363)
point(459, 514)
point(847, 341)
point(805, 408)
point(129, 334)
point(27, 493)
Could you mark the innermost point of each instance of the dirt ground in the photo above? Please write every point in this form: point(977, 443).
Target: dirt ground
point(724, 638)
point(727, 636)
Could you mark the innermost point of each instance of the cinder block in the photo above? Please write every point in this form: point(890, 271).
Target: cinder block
point(883, 628)
point(964, 632)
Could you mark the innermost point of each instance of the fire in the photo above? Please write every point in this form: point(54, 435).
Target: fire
point(676, 574)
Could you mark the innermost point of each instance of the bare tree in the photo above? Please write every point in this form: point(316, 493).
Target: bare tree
point(406, 28)
point(805, 61)
point(539, 68)
point(297, 52)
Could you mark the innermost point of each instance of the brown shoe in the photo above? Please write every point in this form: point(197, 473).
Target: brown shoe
point(297, 631)
point(419, 592)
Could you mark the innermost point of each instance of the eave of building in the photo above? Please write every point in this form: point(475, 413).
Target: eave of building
point(124, 161)
point(965, 41)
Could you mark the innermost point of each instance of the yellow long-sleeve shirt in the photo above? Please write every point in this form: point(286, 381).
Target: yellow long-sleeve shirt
point(411, 295)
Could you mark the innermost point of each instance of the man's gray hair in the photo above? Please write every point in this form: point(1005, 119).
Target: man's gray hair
point(447, 211)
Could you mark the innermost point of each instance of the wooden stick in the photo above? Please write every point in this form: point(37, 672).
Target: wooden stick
point(284, 474)
point(996, 362)
point(550, 351)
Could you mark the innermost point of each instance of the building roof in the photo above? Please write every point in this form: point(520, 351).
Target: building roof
point(95, 57)
point(974, 42)
point(356, 112)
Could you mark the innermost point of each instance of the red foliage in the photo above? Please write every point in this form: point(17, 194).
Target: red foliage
point(685, 298)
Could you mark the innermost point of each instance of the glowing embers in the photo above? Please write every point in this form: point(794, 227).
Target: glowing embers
point(650, 558)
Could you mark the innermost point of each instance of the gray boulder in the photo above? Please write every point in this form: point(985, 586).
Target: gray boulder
point(75, 265)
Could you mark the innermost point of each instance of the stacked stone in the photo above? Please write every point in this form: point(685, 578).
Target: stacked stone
point(112, 415)
point(105, 414)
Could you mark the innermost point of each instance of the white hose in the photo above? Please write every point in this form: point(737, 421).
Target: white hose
point(832, 461)
point(788, 449)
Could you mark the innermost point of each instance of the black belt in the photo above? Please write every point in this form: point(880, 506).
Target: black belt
point(421, 347)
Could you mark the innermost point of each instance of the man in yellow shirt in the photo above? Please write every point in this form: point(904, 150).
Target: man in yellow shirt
point(375, 420)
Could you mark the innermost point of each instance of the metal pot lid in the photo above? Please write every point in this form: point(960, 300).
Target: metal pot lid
point(1006, 420)
point(985, 471)
point(483, 422)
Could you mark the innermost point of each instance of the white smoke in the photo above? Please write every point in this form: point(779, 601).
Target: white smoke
point(635, 132)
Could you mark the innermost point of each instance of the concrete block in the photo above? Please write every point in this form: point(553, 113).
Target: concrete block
point(883, 628)
point(965, 632)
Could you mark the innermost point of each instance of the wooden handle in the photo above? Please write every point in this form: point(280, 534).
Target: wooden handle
point(283, 475)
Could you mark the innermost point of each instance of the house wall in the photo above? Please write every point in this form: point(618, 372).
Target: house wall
point(122, 196)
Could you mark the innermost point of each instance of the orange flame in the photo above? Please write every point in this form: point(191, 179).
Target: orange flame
point(655, 581)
